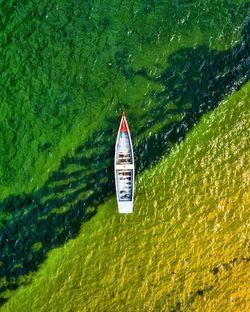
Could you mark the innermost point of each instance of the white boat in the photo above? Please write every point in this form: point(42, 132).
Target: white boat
point(124, 168)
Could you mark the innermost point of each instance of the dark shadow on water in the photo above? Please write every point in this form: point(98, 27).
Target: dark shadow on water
point(195, 81)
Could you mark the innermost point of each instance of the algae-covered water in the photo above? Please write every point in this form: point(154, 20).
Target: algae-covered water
point(180, 70)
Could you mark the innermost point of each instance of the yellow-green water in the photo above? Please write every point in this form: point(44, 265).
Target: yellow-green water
point(185, 247)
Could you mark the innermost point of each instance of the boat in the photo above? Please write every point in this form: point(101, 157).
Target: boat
point(124, 168)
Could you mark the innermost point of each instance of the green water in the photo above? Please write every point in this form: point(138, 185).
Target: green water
point(65, 66)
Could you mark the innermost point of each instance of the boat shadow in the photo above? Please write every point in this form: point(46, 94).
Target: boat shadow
point(195, 82)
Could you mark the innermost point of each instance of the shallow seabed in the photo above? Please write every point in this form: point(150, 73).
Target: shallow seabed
point(180, 70)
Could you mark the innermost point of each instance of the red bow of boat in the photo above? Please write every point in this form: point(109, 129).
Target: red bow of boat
point(124, 127)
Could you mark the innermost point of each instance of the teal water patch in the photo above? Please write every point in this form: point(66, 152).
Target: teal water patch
point(67, 65)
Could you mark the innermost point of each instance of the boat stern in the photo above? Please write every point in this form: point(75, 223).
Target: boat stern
point(125, 206)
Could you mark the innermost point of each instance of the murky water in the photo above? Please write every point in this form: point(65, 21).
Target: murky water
point(66, 66)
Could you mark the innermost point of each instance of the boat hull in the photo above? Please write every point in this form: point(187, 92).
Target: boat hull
point(124, 168)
